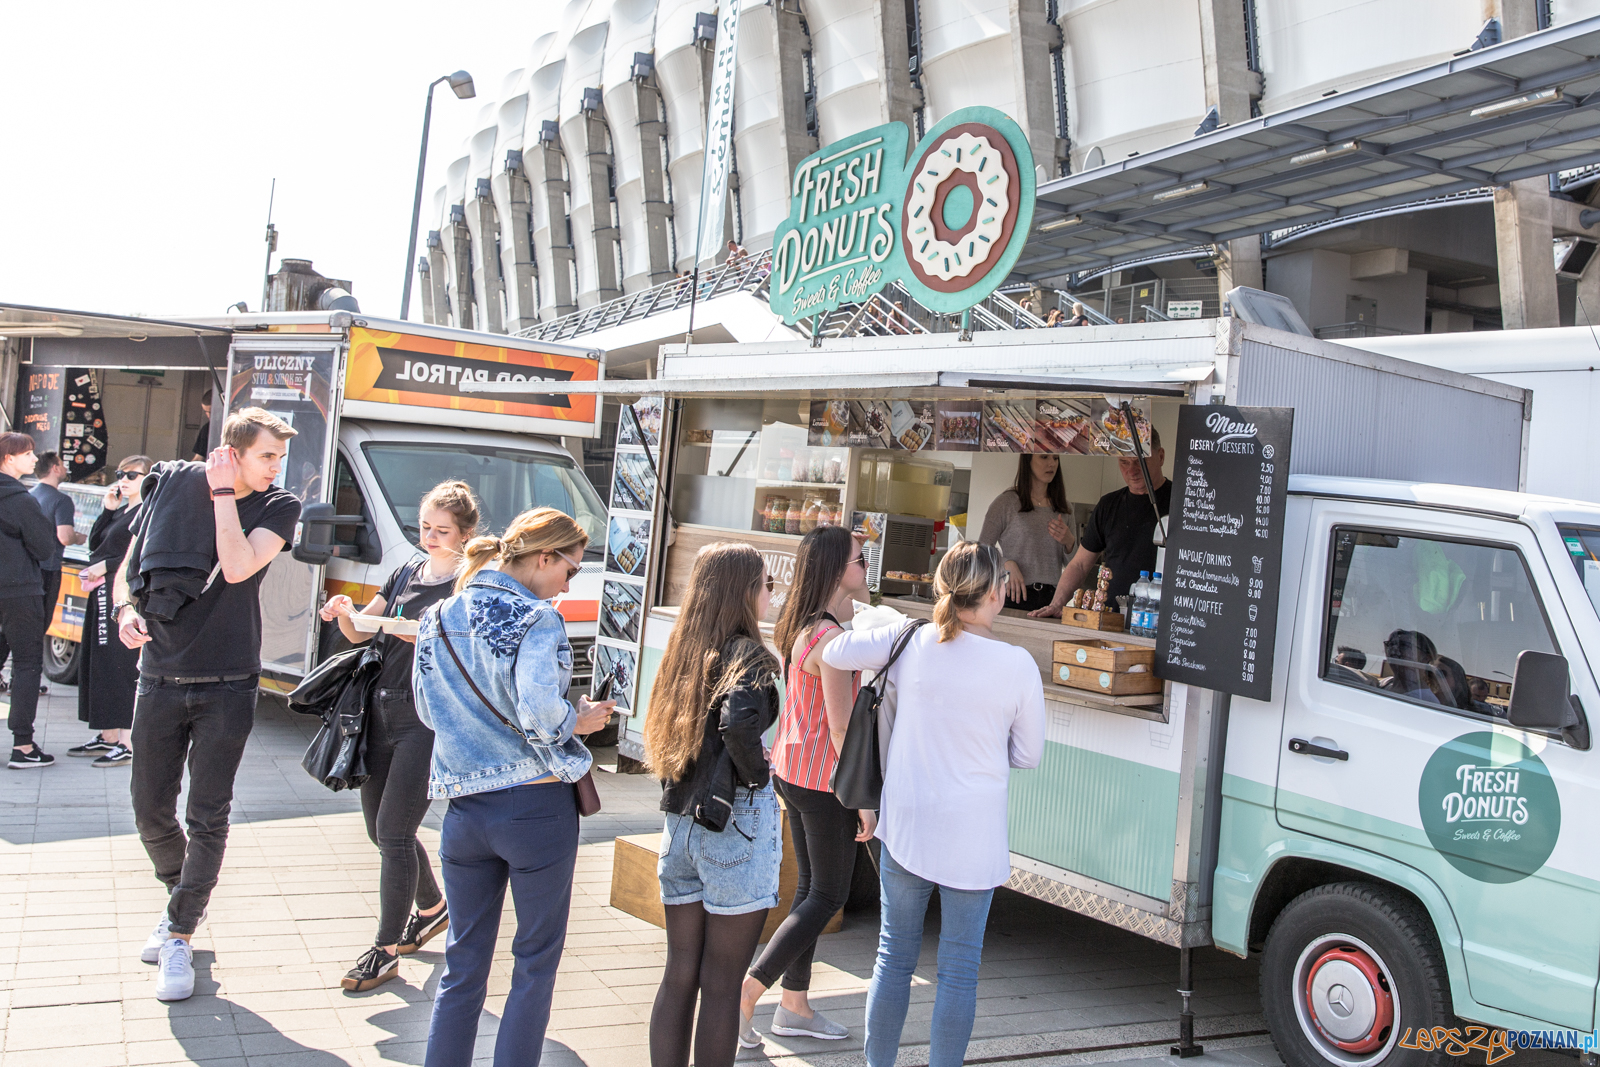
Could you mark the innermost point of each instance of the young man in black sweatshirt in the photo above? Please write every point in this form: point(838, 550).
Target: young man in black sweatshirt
point(27, 539)
point(200, 659)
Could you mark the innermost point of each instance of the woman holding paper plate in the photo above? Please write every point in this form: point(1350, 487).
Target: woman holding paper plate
point(399, 747)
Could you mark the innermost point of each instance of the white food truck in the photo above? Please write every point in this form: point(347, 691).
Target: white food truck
point(382, 416)
point(1400, 829)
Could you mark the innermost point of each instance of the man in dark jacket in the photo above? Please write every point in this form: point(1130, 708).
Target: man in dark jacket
point(26, 539)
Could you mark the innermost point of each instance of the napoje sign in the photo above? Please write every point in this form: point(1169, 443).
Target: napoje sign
point(1219, 589)
point(948, 223)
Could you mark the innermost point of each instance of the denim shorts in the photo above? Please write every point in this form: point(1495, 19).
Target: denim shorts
point(730, 873)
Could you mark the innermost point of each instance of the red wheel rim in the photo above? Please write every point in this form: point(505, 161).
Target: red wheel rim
point(1353, 992)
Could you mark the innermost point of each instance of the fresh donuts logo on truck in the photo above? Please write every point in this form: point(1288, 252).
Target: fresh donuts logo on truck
point(948, 221)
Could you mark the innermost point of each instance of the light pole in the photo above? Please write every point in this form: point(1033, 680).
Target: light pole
point(461, 83)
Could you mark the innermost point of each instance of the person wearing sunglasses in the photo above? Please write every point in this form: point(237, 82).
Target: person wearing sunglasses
point(398, 748)
point(492, 668)
point(108, 671)
point(830, 578)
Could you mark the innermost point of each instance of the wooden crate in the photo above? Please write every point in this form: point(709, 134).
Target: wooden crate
point(1117, 683)
point(1092, 620)
point(1102, 655)
point(636, 890)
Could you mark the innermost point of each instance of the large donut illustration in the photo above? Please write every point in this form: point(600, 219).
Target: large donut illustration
point(974, 156)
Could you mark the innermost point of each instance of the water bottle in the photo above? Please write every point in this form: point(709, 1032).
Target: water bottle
point(1153, 615)
point(1138, 603)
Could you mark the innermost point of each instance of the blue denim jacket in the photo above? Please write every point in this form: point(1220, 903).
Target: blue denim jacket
point(515, 647)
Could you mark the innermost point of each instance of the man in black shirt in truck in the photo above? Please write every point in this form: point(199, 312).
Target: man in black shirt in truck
point(1121, 533)
point(187, 595)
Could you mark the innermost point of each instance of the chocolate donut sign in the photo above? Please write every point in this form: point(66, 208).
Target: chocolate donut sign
point(946, 221)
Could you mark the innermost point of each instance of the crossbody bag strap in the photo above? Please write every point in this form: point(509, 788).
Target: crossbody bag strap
point(462, 668)
point(900, 644)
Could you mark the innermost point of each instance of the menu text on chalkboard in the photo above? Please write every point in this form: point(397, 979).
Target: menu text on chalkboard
point(1219, 592)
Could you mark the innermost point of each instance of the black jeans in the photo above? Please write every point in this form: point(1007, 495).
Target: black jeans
point(394, 799)
point(823, 833)
point(206, 725)
point(22, 619)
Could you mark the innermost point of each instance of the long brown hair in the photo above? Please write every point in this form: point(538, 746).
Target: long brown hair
point(820, 561)
point(966, 575)
point(717, 640)
point(538, 530)
point(1057, 489)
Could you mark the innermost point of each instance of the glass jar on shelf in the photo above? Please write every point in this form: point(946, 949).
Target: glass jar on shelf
point(792, 516)
point(810, 513)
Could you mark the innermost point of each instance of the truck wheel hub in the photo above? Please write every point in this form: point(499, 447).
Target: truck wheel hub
point(1348, 999)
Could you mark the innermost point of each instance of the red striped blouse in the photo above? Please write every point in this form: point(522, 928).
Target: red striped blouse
point(802, 751)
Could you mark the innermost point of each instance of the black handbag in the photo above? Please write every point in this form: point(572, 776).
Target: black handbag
point(858, 776)
point(336, 756)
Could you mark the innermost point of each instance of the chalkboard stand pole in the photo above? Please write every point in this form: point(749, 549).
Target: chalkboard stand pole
point(1185, 1048)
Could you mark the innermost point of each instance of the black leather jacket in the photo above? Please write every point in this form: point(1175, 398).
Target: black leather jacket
point(732, 756)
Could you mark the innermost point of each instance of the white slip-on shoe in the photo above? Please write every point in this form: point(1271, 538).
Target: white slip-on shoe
point(151, 952)
point(790, 1024)
point(175, 971)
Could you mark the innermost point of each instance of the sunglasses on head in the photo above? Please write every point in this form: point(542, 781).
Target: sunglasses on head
point(573, 568)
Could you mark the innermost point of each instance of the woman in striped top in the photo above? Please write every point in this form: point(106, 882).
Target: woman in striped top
point(830, 575)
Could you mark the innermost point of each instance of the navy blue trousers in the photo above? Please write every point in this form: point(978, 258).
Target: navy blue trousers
point(525, 837)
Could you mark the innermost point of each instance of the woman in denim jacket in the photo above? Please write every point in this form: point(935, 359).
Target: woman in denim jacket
point(716, 693)
point(508, 772)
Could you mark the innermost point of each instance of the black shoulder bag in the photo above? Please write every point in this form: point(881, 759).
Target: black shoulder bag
point(858, 776)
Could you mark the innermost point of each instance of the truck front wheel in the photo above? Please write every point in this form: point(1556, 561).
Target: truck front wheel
point(1349, 969)
point(61, 659)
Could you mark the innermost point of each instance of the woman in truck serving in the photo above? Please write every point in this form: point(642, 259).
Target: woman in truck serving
point(399, 748)
point(108, 678)
point(1031, 523)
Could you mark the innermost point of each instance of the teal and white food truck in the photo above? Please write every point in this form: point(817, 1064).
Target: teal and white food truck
point(1396, 822)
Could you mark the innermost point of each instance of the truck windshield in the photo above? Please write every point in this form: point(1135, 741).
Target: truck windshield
point(1583, 548)
point(508, 481)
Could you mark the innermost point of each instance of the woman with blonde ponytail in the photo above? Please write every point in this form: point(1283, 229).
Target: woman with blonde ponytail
point(492, 668)
point(715, 694)
point(968, 708)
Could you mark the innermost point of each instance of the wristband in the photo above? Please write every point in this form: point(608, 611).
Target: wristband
point(116, 609)
point(221, 492)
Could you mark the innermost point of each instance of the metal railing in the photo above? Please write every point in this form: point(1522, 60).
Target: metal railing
point(748, 275)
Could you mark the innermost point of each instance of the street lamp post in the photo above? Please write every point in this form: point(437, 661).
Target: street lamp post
point(461, 83)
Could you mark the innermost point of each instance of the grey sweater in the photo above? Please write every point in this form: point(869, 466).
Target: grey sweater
point(1024, 538)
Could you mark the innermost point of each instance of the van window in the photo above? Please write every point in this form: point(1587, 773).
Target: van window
point(1583, 548)
point(508, 481)
point(1433, 622)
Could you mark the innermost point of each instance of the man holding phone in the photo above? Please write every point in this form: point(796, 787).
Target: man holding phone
point(201, 543)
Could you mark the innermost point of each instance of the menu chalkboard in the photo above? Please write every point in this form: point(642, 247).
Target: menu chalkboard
point(1219, 595)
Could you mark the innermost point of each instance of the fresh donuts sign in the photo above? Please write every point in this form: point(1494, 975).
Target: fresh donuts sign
point(947, 222)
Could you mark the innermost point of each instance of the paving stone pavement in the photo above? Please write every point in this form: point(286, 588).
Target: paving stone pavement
point(298, 903)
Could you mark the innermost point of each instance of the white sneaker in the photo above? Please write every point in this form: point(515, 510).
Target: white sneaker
point(175, 975)
point(159, 936)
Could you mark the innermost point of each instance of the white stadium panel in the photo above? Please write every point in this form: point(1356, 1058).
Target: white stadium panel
point(1311, 46)
point(758, 135)
point(480, 164)
point(455, 183)
point(678, 74)
point(544, 89)
point(1136, 74)
point(510, 116)
point(1565, 11)
point(845, 61)
point(591, 207)
point(633, 27)
point(968, 57)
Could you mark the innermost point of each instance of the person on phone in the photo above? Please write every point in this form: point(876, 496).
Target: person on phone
point(1031, 524)
point(399, 748)
point(27, 539)
point(715, 694)
point(202, 542)
point(491, 674)
point(830, 577)
point(108, 670)
point(969, 708)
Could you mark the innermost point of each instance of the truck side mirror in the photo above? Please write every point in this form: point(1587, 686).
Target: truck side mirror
point(1540, 699)
point(316, 545)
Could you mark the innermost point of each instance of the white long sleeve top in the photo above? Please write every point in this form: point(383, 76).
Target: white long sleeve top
point(966, 712)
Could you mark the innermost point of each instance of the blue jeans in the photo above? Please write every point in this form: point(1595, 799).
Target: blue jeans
point(525, 836)
point(963, 915)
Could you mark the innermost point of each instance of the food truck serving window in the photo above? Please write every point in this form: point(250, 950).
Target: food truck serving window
point(507, 481)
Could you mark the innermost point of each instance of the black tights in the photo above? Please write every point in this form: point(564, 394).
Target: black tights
point(706, 954)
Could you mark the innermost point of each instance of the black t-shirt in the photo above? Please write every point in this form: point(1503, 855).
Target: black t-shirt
point(201, 440)
point(418, 596)
point(219, 633)
point(1120, 529)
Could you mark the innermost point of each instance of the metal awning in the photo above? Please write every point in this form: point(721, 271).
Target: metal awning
point(1521, 109)
point(58, 338)
point(906, 385)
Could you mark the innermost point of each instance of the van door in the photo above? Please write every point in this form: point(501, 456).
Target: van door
point(1401, 670)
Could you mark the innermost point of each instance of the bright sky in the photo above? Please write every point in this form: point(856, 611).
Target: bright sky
point(141, 140)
